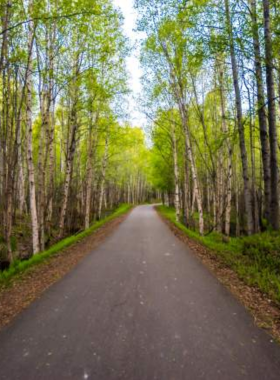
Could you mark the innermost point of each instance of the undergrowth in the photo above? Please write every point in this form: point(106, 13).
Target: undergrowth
point(18, 266)
point(256, 259)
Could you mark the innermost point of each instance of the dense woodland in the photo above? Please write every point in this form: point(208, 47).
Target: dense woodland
point(64, 158)
point(212, 86)
point(211, 97)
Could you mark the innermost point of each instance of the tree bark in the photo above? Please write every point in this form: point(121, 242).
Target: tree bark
point(243, 150)
point(69, 166)
point(92, 140)
point(176, 173)
point(261, 112)
point(273, 139)
point(229, 151)
point(103, 174)
point(179, 96)
point(30, 164)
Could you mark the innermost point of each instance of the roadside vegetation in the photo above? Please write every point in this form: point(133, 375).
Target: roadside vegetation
point(19, 266)
point(255, 259)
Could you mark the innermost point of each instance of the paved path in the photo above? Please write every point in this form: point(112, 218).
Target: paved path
point(140, 307)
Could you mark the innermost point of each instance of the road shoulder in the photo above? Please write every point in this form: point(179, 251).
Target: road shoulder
point(30, 285)
point(265, 312)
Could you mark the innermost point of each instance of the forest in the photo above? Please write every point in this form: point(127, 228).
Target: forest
point(65, 160)
point(210, 96)
point(140, 189)
point(212, 86)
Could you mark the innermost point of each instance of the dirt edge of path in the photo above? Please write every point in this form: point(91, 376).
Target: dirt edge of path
point(266, 314)
point(30, 285)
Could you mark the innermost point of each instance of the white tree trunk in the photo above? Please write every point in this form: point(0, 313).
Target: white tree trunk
point(180, 98)
point(238, 103)
point(103, 174)
point(195, 181)
point(89, 171)
point(69, 165)
point(176, 173)
point(229, 152)
point(30, 164)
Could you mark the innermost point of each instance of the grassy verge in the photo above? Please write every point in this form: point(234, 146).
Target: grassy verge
point(19, 267)
point(256, 259)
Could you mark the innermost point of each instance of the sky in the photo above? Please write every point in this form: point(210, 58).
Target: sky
point(133, 63)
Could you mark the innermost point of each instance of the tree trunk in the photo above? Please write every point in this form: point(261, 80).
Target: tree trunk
point(89, 171)
point(41, 172)
point(261, 112)
point(186, 191)
point(69, 167)
point(30, 164)
point(103, 174)
point(274, 205)
point(178, 89)
point(243, 150)
point(229, 157)
point(176, 173)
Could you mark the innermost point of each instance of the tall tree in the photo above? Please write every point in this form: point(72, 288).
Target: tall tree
point(240, 125)
point(274, 206)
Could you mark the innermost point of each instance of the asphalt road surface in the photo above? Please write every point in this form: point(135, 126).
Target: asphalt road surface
point(140, 307)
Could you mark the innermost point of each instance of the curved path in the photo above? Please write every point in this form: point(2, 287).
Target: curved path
point(140, 307)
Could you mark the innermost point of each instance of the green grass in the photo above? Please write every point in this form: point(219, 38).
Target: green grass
point(256, 259)
point(18, 267)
